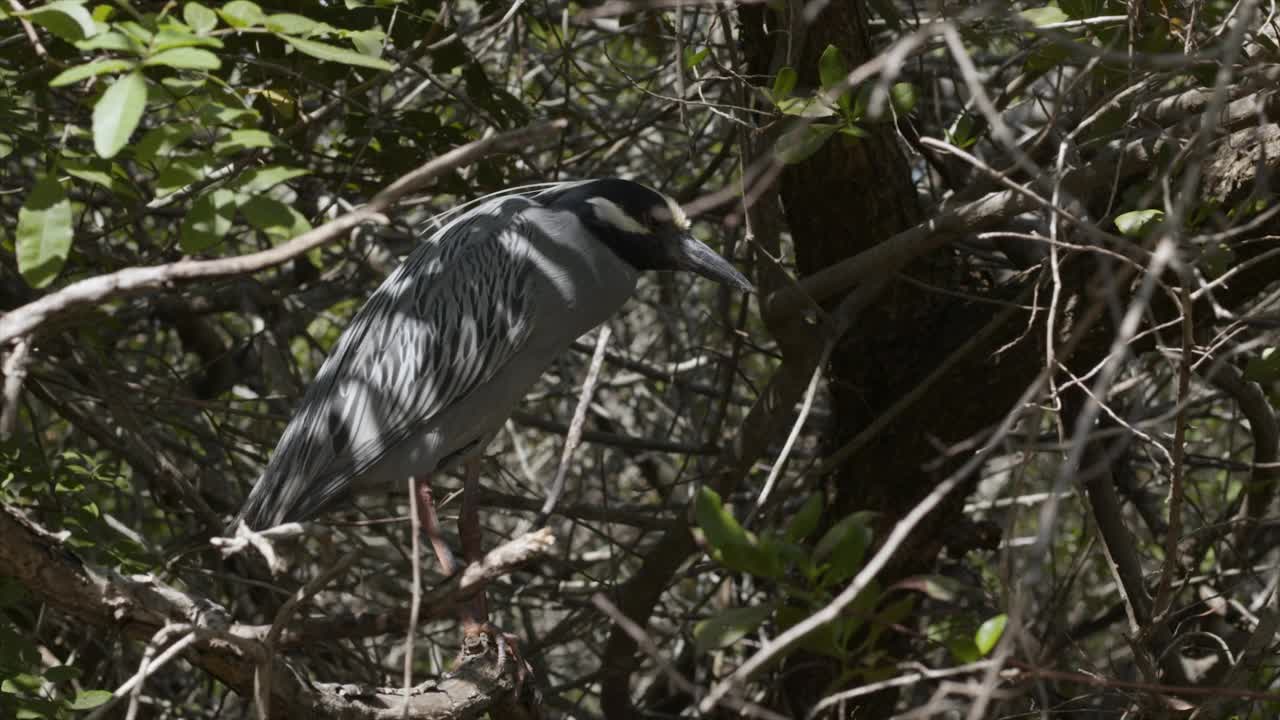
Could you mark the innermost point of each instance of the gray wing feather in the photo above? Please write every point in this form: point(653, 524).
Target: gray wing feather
point(440, 325)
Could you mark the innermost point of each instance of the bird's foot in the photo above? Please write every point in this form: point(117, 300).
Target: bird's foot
point(481, 639)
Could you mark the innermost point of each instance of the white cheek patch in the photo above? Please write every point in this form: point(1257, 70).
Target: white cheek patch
point(609, 212)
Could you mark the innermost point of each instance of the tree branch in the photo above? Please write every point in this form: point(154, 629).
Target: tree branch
point(132, 281)
point(141, 605)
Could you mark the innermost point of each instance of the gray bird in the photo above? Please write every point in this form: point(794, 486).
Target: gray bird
point(443, 351)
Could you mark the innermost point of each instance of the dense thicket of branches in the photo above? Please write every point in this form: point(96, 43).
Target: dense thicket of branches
point(995, 438)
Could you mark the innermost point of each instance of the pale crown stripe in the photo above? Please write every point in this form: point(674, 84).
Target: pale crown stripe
point(609, 212)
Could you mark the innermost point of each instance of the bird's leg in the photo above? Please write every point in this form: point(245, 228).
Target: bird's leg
point(431, 524)
point(477, 631)
point(472, 542)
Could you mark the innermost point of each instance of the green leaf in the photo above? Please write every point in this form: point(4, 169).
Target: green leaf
point(169, 38)
point(20, 683)
point(889, 619)
point(1137, 223)
point(820, 640)
point(861, 101)
point(208, 221)
point(368, 42)
point(717, 523)
point(963, 650)
point(784, 84)
point(264, 178)
point(843, 547)
point(1044, 15)
point(903, 97)
point(728, 627)
point(186, 58)
point(810, 107)
point(953, 631)
point(99, 173)
point(117, 112)
point(799, 144)
point(730, 543)
point(244, 139)
point(113, 41)
point(832, 69)
point(89, 699)
point(806, 519)
point(139, 33)
point(179, 173)
point(291, 24)
point(218, 113)
point(67, 19)
point(160, 142)
point(831, 638)
point(960, 133)
point(88, 70)
point(61, 673)
point(989, 633)
point(332, 53)
point(44, 232)
point(200, 18)
point(241, 14)
point(279, 221)
point(692, 59)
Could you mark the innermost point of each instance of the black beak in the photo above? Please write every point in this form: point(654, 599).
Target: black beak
point(693, 256)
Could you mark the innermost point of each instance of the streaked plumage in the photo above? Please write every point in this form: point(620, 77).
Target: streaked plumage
point(433, 364)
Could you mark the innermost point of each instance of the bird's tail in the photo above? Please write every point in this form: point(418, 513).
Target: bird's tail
point(280, 498)
point(254, 512)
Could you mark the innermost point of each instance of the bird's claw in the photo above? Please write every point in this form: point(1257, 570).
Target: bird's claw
point(479, 640)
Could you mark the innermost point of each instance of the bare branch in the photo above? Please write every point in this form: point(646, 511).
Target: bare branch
point(142, 606)
point(132, 281)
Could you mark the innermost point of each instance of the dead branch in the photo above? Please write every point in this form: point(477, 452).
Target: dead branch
point(141, 605)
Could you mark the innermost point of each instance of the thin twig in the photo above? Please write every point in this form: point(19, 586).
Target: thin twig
point(147, 667)
point(262, 684)
point(650, 648)
point(1173, 535)
point(575, 426)
point(900, 681)
point(15, 371)
point(29, 29)
point(415, 605)
point(796, 427)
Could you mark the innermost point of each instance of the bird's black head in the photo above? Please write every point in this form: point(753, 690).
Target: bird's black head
point(644, 227)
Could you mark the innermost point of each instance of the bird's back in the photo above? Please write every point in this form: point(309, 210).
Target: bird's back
point(453, 308)
point(438, 356)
